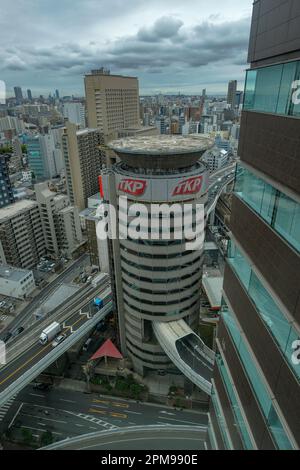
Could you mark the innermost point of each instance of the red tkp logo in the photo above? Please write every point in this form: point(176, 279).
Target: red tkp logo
point(134, 187)
point(188, 186)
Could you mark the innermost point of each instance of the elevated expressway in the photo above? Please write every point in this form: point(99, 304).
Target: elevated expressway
point(217, 183)
point(27, 358)
point(187, 351)
point(150, 437)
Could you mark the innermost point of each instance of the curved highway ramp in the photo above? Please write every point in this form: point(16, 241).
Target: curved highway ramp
point(187, 351)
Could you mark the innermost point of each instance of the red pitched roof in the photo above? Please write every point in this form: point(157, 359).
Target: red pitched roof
point(108, 349)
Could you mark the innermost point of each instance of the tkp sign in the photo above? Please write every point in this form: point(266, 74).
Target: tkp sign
point(188, 186)
point(132, 186)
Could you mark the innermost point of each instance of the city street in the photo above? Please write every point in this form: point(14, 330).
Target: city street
point(68, 413)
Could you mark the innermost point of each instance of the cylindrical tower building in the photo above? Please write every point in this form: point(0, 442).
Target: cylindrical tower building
point(155, 279)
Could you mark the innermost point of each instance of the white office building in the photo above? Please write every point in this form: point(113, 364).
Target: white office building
point(15, 282)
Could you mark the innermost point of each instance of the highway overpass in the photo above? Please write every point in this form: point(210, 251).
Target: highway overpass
point(187, 351)
point(28, 358)
point(150, 437)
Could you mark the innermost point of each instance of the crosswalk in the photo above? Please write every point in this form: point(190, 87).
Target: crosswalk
point(3, 317)
point(4, 409)
point(94, 420)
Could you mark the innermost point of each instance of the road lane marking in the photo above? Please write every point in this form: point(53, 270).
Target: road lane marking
point(45, 419)
point(25, 364)
point(33, 357)
point(183, 421)
point(92, 410)
point(133, 412)
point(99, 406)
point(41, 430)
point(13, 420)
point(121, 405)
point(36, 395)
point(68, 401)
point(119, 415)
point(100, 401)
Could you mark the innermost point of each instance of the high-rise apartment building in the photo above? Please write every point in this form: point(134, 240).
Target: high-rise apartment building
point(60, 220)
point(112, 101)
point(256, 385)
point(74, 112)
point(21, 234)
point(18, 94)
point(84, 161)
point(43, 158)
point(231, 94)
point(6, 191)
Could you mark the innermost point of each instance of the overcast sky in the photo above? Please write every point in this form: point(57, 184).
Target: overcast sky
point(170, 45)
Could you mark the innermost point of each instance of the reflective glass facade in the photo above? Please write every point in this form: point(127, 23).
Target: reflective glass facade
point(280, 211)
point(220, 418)
point(273, 89)
point(260, 390)
point(281, 329)
point(239, 420)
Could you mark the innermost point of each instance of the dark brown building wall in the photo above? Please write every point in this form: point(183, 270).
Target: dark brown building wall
point(271, 144)
point(279, 376)
point(277, 262)
point(252, 410)
point(275, 30)
point(227, 411)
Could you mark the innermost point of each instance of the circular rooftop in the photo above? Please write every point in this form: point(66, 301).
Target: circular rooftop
point(163, 151)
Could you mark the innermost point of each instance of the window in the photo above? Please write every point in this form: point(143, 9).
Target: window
point(280, 211)
point(271, 89)
point(258, 386)
point(240, 422)
point(281, 329)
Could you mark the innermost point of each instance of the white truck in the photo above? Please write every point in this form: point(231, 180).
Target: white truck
point(50, 333)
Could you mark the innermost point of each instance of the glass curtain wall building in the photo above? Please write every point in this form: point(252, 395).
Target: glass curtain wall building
point(256, 386)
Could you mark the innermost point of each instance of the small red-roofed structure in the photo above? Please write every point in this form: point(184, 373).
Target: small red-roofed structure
point(108, 349)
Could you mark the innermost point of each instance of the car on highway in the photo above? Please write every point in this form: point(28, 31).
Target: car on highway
point(58, 340)
point(18, 331)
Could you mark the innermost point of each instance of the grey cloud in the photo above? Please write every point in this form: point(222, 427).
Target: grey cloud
point(163, 28)
point(167, 52)
point(190, 47)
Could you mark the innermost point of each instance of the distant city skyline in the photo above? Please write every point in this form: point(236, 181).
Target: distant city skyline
point(170, 46)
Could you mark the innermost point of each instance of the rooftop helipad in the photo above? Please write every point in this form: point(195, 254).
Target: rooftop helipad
point(162, 144)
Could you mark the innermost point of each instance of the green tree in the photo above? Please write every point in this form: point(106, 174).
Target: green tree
point(46, 438)
point(4, 150)
point(27, 436)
